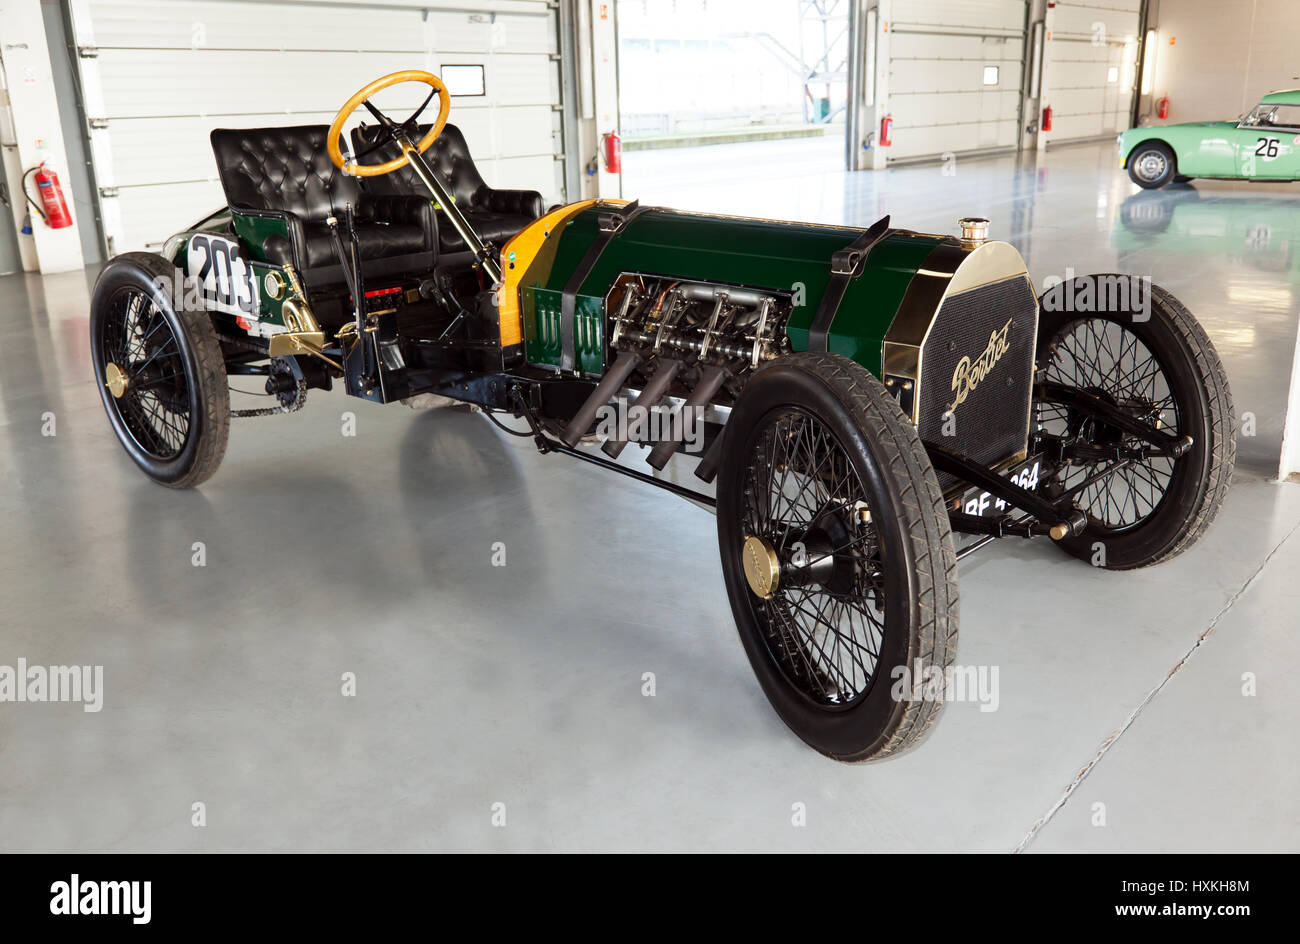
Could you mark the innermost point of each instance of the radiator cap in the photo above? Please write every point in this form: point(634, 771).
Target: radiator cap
point(974, 229)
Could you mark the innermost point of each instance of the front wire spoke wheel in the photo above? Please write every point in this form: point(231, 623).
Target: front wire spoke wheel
point(804, 500)
point(836, 554)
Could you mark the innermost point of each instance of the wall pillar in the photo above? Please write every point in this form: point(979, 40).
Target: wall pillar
point(34, 114)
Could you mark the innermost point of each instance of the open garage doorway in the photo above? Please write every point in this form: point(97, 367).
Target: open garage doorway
point(718, 98)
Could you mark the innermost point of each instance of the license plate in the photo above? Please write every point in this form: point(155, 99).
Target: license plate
point(976, 502)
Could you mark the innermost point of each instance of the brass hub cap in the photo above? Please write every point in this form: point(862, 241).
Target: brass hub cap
point(115, 380)
point(762, 566)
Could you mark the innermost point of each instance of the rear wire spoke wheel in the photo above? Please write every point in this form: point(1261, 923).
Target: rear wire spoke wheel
point(1103, 358)
point(1159, 366)
point(160, 372)
point(837, 555)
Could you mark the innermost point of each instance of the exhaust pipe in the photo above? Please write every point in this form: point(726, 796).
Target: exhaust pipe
point(711, 378)
point(647, 398)
point(609, 385)
point(707, 469)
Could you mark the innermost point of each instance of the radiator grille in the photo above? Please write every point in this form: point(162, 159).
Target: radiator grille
point(992, 422)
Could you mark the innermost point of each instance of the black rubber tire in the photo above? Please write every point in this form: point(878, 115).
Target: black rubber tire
point(921, 601)
point(1152, 148)
point(205, 371)
point(1199, 385)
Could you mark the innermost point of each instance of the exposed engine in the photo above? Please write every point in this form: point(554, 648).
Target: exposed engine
point(695, 340)
point(723, 325)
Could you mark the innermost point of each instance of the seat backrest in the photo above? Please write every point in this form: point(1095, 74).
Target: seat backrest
point(448, 155)
point(282, 169)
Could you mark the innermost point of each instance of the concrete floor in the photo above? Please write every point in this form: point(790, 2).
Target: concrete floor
point(521, 684)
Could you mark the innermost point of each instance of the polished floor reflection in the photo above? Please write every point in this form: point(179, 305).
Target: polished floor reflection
point(522, 684)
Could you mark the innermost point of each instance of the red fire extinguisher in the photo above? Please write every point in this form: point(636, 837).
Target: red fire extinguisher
point(886, 131)
point(1162, 107)
point(1047, 118)
point(613, 153)
point(53, 207)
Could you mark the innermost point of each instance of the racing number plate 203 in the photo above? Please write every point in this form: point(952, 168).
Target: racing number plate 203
point(976, 502)
point(221, 274)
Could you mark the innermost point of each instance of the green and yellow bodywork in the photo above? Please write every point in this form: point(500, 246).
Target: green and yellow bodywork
point(792, 259)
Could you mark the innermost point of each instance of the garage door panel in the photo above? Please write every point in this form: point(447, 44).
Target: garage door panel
point(490, 132)
point(1072, 75)
point(167, 72)
point(520, 80)
point(956, 138)
point(1079, 60)
point(938, 53)
point(1083, 126)
point(461, 32)
point(967, 14)
point(233, 82)
point(1077, 101)
point(910, 76)
point(955, 108)
point(1076, 20)
point(137, 142)
point(523, 173)
point(922, 46)
point(168, 24)
point(150, 215)
point(1082, 53)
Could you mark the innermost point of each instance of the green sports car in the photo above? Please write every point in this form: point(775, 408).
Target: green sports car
point(1264, 144)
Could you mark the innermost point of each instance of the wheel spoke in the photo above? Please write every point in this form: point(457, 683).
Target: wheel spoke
point(155, 407)
point(1104, 358)
point(801, 486)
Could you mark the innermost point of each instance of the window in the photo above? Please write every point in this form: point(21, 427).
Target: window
point(1287, 116)
point(464, 80)
point(990, 75)
point(1273, 116)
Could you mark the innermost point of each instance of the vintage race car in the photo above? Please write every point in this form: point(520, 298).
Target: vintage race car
point(846, 399)
point(1262, 145)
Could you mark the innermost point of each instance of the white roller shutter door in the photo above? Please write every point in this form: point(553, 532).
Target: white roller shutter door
point(938, 53)
point(158, 75)
point(1092, 65)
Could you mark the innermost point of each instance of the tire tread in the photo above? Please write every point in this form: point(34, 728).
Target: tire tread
point(924, 517)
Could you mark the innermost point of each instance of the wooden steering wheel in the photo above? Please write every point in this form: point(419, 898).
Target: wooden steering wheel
point(388, 126)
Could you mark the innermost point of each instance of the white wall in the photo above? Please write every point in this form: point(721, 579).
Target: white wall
point(35, 116)
point(1224, 55)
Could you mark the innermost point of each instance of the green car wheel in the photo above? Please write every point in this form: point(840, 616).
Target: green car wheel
point(1152, 165)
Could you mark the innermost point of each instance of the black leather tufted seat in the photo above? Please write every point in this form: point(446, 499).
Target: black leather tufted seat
point(496, 215)
point(286, 174)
